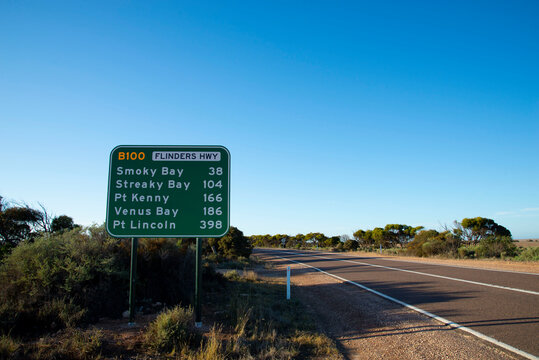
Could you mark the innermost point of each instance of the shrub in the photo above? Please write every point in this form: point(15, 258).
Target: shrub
point(37, 278)
point(496, 246)
point(80, 275)
point(232, 275)
point(415, 247)
point(392, 251)
point(467, 252)
point(350, 245)
point(172, 330)
point(432, 247)
point(431, 243)
point(232, 245)
point(529, 254)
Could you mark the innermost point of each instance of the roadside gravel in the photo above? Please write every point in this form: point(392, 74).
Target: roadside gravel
point(498, 264)
point(366, 326)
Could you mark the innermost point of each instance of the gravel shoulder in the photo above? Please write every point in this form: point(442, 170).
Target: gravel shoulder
point(366, 326)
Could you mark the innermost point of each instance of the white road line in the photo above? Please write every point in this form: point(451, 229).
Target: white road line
point(420, 273)
point(421, 311)
point(439, 264)
point(429, 263)
point(464, 267)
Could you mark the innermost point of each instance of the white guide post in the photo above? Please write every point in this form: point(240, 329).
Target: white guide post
point(288, 283)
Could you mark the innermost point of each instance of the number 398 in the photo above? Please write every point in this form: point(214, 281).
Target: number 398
point(210, 224)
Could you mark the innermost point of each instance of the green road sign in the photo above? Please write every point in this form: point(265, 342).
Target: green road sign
point(168, 191)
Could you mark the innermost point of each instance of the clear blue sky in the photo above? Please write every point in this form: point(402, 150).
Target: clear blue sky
point(338, 115)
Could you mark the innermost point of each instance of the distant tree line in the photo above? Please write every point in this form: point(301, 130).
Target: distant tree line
point(471, 237)
point(298, 241)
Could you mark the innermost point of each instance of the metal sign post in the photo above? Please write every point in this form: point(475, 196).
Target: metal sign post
point(198, 284)
point(132, 280)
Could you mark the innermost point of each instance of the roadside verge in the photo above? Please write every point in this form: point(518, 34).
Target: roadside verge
point(366, 326)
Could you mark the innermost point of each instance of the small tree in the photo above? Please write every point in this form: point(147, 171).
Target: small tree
point(350, 245)
point(296, 242)
point(473, 230)
point(402, 234)
point(332, 241)
point(317, 239)
point(232, 245)
point(16, 224)
point(382, 237)
point(359, 235)
point(62, 223)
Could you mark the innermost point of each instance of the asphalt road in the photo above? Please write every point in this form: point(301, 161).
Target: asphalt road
point(501, 305)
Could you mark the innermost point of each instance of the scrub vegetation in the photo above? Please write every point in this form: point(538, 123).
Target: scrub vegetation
point(58, 281)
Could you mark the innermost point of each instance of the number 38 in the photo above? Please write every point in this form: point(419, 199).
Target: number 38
point(216, 171)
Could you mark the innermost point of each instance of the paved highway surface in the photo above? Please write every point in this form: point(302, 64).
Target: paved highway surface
point(501, 305)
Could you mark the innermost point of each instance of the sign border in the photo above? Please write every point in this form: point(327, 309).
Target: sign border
point(227, 229)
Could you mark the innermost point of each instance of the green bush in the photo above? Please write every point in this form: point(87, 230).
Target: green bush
point(435, 246)
point(415, 247)
point(350, 245)
point(529, 254)
point(59, 281)
point(233, 275)
point(172, 330)
point(496, 246)
point(77, 276)
point(392, 251)
point(467, 252)
point(232, 245)
point(432, 243)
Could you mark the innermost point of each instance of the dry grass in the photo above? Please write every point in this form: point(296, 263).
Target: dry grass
point(250, 275)
point(71, 343)
point(8, 346)
point(528, 243)
point(212, 349)
point(318, 344)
